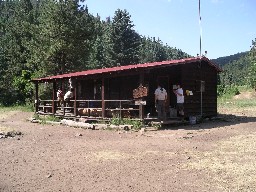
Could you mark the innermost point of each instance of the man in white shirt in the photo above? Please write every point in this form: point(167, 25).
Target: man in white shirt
point(180, 100)
point(68, 96)
point(160, 100)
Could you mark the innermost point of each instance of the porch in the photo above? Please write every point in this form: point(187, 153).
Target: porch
point(83, 109)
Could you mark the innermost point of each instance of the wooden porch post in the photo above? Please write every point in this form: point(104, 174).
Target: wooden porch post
point(75, 97)
point(54, 97)
point(141, 107)
point(36, 97)
point(103, 97)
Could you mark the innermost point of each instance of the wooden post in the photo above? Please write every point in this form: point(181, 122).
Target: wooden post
point(54, 97)
point(36, 98)
point(141, 107)
point(75, 97)
point(103, 97)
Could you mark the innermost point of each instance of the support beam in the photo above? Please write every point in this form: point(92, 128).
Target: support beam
point(36, 97)
point(141, 107)
point(103, 97)
point(75, 98)
point(54, 96)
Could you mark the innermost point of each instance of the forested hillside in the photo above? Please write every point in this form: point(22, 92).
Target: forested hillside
point(222, 61)
point(238, 69)
point(42, 38)
point(235, 69)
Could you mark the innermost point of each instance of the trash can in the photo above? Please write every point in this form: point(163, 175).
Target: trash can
point(192, 120)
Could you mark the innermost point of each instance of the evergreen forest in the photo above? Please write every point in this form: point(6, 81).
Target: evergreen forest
point(48, 37)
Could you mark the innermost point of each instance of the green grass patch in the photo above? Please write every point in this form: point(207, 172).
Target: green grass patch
point(231, 103)
point(228, 100)
point(25, 108)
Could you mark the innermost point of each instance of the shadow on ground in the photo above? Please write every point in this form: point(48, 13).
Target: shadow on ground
point(211, 123)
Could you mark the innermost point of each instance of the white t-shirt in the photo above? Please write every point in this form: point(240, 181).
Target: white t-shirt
point(59, 94)
point(180, 99)
point(161, 94)
point(68, 95)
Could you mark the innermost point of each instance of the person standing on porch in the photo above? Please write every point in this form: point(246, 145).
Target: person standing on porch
point(68, 96)
point(160, 101)
point(180, 100)
point(60, 97)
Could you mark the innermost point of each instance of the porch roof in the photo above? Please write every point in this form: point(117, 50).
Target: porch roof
point(129, 67)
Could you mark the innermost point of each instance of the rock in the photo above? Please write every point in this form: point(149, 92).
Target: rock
point(10, 134)
point(101, 126)
point(18, 133)
point(142, 131)
point(2, 136)
point(114, 127)
point(125, 127)
point(78, 135)
point(53, 122)
point(35, 121)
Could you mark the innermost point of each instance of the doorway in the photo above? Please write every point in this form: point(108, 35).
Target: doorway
point(164, 82)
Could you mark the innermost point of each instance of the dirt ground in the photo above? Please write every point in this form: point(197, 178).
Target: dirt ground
point(215, 155)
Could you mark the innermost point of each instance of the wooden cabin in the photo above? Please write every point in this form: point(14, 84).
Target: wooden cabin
point(128, 91)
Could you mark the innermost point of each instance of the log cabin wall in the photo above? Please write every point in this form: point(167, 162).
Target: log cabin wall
point(192, 76)
point(87, 87)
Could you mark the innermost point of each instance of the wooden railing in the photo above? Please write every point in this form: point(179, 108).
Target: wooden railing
point(120, 108)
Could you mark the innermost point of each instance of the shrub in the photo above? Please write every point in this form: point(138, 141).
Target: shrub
point(137, 124)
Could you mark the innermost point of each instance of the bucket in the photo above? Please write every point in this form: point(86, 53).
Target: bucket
point(173, 112)
point(192, 120)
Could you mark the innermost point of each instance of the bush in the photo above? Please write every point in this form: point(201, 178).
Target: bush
point(227, 91)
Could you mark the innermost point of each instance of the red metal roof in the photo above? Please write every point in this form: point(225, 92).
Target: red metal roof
point(128, 67)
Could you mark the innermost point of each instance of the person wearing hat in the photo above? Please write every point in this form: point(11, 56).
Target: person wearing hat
point(180, 100)
point(160, 101)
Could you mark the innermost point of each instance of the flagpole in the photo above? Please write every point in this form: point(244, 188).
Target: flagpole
point(200, 47)
point(200, 29)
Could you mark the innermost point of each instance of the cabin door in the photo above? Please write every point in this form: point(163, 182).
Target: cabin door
point(164, 82)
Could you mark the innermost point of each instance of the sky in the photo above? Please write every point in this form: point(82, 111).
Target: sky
point(227, 27)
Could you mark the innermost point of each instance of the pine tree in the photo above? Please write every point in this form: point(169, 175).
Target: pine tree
point(17, 21)
point(63, 37)
point(102, 47)
point(125, 40)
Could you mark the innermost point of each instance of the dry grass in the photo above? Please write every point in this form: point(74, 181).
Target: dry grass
point(6, 129)
point(5, 113)
point(231, 166)
point(110, 155)
point(242, 104)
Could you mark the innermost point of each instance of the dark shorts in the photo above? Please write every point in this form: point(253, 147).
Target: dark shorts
point(180, 106)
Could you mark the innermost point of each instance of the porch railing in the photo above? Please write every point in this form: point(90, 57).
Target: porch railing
point(90, 108)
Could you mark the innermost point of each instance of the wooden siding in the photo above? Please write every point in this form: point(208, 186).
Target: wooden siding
point(191, 75)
